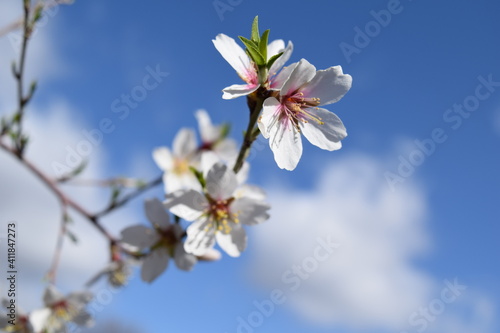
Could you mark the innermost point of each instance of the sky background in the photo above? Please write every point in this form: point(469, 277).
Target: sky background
point(398, 244)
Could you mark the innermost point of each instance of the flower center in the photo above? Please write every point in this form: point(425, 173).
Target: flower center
point(295, 107)
point(181, 166)
point(61, 310)
point(220, 215)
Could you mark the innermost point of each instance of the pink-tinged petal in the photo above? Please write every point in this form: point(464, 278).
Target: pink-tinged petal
point(221, 181)
point(286, 145)
point(156, 214)
point(301, 74)
point(39, 318)
point(278, 80)
point(184, 143)
point(200, 237)
point(163, 158)
point(269, 117)
point(326, 135)
point(183, 260)
point(250, 211)
point(187, 204)
point(233, 53)
point(238, 90)
point(250, 191)
point(139, 236)
point(329, 85)
point(154, 264)
point(284, 138)
point(234, 242)
point(208, 132)
point(280, 62)
point(52, 295)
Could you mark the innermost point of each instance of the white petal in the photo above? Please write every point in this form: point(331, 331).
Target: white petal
point(301, 74)
point(80, 298)
point(242, 175)
point(327, 135)
point(280, 62)
point(187, 204)
point(226, 149)
point(163, 158)
point(238, 90)
point(83, 318)
point(221, 182)
point(208, 132)
point(174, 182)
point(234, 242)
point(329, 85)
point(156, 214)
point(233, 53)
point(139, 236)
point(275, 47)
point(208, 160)
point(250, 191)
point(183, 260)
point(154, 264)
point(52, 295)
point(269, 116)
point(210, 255)
point(184, 143)
point(250, 211)
point(38, 319)
point(200, 237)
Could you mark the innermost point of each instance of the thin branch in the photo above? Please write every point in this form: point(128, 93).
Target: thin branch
point(51, 274)
point(63, 198)
point(126, 198)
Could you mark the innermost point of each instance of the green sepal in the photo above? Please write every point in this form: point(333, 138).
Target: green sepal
point(263, 43)
point(253, 51)
point(198, 176)
point(255, 36)
point(273, 60)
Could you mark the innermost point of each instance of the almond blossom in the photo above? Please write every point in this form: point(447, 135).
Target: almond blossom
point(60, 310)
point(18, 322)
point(219, 213)
point(295, 110)
point(163, 240)
point(214, 138)
point(175, 164)
point(235, 55)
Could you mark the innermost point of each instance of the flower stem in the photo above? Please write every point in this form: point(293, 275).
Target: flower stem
point(255, 102)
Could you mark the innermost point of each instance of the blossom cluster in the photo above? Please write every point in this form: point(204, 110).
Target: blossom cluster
point(205, 183)
point(207, 200)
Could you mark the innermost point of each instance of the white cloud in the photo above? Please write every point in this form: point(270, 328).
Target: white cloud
point(369, 282)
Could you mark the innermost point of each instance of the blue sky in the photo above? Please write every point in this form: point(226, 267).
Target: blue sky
point(428, 58)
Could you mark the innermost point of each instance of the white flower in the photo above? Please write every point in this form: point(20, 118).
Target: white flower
point(20, 319)
point(246, 69)
point(214, 138)
point(296, 111)
point(164, 242)
point(60, 310)
point(220, 213)
point(176, 163)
